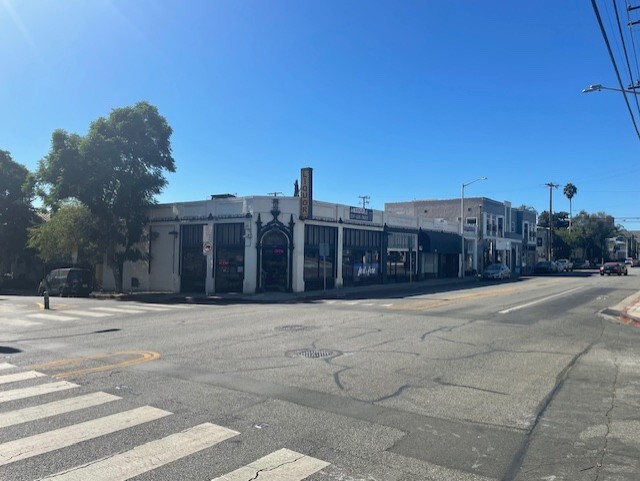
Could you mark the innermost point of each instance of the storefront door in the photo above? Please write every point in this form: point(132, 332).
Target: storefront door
point(275, 263)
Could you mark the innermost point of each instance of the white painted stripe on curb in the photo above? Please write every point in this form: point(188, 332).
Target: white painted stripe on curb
point(37, 444)
point(281, 465)
point(6, 365)
point(149, 456)
point(87, 313)
point(51, 317)
point(15, 394)
point(20, 376)
point(528, 304)
point(55, 408)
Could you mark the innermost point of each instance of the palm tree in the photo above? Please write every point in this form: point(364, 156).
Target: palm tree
point(569, 191)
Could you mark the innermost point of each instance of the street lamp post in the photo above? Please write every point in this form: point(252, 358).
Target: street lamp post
point(462, 259)
point(598, 88)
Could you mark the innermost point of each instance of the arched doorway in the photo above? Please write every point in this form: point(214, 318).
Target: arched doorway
point(275, 261)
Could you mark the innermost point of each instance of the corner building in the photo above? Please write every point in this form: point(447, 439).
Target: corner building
point(257, 244)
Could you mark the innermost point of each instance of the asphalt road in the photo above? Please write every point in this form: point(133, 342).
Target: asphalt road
point(522, 380)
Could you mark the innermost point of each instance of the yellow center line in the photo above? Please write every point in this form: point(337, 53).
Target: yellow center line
point(435, 303)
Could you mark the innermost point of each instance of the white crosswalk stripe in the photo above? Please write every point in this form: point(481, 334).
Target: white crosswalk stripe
point(51, 317)
point(27, 392)
point(37, 444)
point(20, 376)
point(87, 313)
point(117, 310)
point(19, 323)
point(282, 465)
point(55, 408)
point(152, 308)
point(76, 313)
point(149, 456)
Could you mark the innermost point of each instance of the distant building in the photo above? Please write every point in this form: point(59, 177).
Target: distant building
point(493, 231)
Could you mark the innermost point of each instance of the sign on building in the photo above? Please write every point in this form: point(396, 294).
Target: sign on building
point(360, 213)
point(306, 193)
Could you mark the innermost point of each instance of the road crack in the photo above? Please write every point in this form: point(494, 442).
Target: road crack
point(609, 418)
point(273, 468)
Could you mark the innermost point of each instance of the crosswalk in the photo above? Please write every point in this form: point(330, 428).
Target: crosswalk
point(22, 319)
point(281, 465)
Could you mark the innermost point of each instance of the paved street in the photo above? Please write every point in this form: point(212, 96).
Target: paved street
point(535, 379)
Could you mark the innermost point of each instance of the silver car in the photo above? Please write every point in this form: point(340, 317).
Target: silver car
point(497, 271)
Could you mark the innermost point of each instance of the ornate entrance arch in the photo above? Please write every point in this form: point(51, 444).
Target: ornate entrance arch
point(275, 253)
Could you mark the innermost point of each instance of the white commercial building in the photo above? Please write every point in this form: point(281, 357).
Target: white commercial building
point(293, 244)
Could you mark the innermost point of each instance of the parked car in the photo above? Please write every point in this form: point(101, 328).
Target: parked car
point(545, 267)
point(582, 264)
point(69, 281)
point(564, 265)
point(609, 268)
point(497, 271)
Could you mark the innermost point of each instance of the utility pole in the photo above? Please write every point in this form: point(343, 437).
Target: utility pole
point(365, 200)
point(551, 186)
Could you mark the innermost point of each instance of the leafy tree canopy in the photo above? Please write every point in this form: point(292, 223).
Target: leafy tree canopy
point(116, 170)
point(560, 219)
point(16, 212)
point(71, 230)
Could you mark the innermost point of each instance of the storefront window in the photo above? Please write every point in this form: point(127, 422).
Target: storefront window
point(319, 257)
point(361, 257)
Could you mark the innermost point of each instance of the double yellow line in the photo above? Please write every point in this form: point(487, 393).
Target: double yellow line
point(139, 357)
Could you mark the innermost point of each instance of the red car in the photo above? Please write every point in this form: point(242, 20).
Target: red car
point(609, 268)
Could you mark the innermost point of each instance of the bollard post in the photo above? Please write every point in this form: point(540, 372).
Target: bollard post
point(46, 299)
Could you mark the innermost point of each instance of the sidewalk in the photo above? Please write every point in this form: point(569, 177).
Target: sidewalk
point(404, 288)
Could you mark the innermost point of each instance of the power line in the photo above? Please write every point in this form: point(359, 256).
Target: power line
point(624, 48)
point(633, 45)
point(615, 66)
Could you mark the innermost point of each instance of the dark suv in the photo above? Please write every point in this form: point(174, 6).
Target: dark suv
point(70, 281)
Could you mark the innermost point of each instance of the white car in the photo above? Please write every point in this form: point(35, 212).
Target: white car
point(564, 265)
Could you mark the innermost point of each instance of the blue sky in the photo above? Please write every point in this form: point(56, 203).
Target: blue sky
point(394, 100)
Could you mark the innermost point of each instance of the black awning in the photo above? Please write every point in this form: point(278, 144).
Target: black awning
point(443, 242)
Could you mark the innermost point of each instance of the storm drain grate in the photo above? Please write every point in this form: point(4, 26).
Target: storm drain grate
point(313, 353)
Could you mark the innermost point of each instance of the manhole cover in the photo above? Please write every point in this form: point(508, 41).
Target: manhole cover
point(292, 328)
point(313, 353)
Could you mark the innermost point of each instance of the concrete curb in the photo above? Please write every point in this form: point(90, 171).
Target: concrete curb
point(627, 311)
point(288, 297)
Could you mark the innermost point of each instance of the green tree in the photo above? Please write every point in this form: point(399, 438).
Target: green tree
point(591, 232)
point(68, 237)
point(569, 192)
point(16, 212)
point(560, 219)
point(116, 170)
